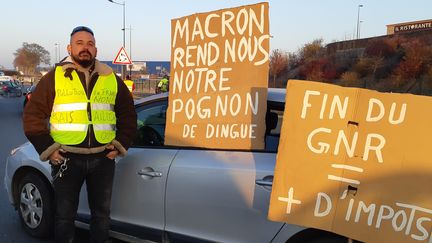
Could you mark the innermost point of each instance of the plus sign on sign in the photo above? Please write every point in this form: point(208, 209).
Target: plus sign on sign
point(355, 162)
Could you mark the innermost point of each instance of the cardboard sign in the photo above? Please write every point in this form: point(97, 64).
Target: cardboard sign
point(218, 82)
point(355, 162)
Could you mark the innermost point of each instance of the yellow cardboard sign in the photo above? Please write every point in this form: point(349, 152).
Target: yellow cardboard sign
point(218, 82)
point(355, 162)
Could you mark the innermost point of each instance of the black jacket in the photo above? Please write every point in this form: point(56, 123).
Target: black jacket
point(38, 110)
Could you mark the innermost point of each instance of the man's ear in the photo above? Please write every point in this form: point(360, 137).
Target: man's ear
point(69, 48)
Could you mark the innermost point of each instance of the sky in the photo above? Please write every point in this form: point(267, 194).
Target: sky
point(292, 23)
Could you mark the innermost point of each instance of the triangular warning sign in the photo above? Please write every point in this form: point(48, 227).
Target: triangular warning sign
point(122, 58)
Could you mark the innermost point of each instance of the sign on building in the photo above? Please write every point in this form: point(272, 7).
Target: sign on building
point(218, 81)
point(355, 162)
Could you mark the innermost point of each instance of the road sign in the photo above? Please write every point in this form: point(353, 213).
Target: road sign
point(122, 58)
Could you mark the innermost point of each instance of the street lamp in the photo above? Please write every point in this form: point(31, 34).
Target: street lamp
point(130, 49)
point(55, 51)
point(358, 19)
point(124, 28)
point(359, 30)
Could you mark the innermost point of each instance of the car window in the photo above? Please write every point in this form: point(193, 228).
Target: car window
point(274, 117)
point(7, 83)
point(151, 124)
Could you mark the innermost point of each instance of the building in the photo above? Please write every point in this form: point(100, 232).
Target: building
point(414, 29)
point(422, 25)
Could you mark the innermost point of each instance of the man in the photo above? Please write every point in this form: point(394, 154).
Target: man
point(129, 83)
point(163, 85)
point(92, 120)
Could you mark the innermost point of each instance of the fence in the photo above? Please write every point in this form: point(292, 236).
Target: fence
point(146, 86)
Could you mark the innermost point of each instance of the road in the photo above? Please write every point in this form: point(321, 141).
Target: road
point(12, 135)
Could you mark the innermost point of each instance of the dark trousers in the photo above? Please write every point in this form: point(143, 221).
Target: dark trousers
point(98, 173)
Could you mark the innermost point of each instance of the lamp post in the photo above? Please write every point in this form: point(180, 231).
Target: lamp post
point(358, 19)
point(56, 49)
point(124, 28)
point(361, 21)
point(130, 49)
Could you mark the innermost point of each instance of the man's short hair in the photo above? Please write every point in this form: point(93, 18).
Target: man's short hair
point(81, 28)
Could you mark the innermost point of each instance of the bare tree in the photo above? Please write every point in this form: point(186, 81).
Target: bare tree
point(312, 50)
point(29, 56)
point(278, 64)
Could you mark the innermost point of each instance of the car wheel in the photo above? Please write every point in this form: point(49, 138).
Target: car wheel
point(36, 207)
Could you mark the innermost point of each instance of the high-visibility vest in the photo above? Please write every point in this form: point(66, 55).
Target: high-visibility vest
point(70, 120)
point(163, 85)
point(129, 84)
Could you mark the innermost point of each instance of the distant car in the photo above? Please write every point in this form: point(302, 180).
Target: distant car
point(28, 93)
point(169, 193)
point(9, 88)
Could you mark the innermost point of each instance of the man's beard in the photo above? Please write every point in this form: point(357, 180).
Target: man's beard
point(85, 63)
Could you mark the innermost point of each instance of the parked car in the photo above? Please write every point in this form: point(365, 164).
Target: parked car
point(168, 193)
point(28, 93)
point(8, 87)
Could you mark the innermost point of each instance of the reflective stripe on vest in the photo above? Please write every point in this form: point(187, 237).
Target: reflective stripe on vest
point(69, 119)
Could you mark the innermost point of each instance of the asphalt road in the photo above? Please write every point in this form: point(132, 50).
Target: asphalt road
point(12, 135)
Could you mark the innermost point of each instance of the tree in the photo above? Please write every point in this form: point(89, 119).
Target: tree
point(278, 64)
point(312, 50)
point(29, 56)
point(414, 63)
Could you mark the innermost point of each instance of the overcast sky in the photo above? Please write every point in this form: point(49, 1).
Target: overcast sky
point(292, 23)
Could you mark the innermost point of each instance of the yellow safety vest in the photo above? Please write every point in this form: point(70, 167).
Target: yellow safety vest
point(69, 119)
point(163, 85)
point(129, 84)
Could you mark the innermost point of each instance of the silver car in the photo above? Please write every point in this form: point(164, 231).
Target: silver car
point(171, 194)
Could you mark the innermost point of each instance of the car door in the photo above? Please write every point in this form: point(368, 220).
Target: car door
point(222, 196)
point(137, 206)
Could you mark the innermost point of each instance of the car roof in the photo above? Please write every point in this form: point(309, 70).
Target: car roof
point(274, 95)
point(5, 78)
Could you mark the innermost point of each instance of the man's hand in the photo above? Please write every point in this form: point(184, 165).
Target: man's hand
point(114, 153)
point(56, 158)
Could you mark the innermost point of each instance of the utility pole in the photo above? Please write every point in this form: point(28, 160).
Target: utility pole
point(124, 29)
point(358, 19)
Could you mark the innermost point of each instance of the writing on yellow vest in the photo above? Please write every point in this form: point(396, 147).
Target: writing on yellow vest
point(70, 119)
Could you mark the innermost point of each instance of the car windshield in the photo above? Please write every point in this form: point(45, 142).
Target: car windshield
point(7, 83)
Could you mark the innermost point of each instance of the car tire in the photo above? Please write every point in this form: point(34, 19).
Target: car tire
point(36, 206)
